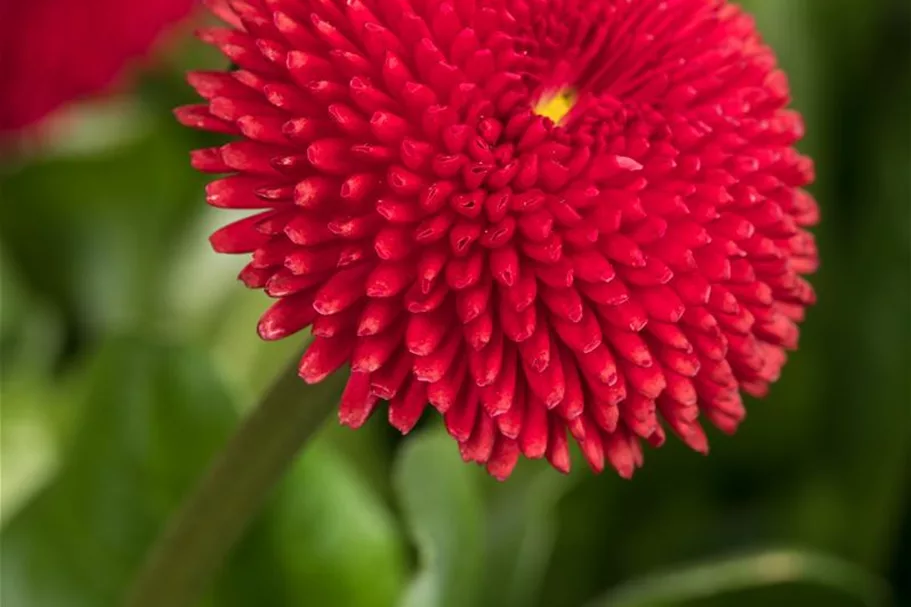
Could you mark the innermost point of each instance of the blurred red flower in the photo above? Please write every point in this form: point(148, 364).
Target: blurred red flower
point(56, 51)
point(631, 267)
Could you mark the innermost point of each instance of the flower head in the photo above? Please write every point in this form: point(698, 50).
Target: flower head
point(56, 51)
point(544, 218)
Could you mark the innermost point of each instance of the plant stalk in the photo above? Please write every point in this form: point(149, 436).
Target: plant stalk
point(196, 540)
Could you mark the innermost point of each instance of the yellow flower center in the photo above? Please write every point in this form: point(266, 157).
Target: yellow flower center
point(556, 106)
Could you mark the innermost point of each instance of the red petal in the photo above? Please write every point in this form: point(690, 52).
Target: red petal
point(356, 403)
point(323, 356)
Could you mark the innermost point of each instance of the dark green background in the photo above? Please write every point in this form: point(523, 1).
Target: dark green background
point(129, 352)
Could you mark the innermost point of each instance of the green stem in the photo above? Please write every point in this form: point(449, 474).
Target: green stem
point(195, 542)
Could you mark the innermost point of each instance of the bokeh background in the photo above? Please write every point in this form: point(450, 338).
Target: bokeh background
point(129, 353)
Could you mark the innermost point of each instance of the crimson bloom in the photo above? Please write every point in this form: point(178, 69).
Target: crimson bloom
point(56, 51)
point(545, 218)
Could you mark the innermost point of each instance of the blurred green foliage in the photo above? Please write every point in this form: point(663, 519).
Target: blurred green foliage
point(129, 351)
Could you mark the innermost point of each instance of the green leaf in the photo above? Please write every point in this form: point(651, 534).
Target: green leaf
point(325, 537)
point(521, 533)
point(154, 417)
point(93, 234)
point(29, 449)
point(442, 507)
point(747, 572)
point(29, 343)
point(337, 541)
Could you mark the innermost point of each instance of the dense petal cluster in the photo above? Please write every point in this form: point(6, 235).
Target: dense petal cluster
point(631, 268)
point(56, 51)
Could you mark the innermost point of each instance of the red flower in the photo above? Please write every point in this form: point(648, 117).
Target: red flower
point(632, 267)
point(56, 51)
